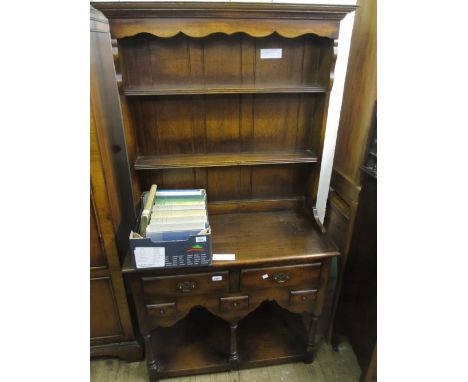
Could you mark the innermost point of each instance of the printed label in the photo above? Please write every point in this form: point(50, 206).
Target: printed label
point(271, 53)
point(200, 239)
point(149, 257)
point(224, 256)
point(217, 278)
point(265, 276)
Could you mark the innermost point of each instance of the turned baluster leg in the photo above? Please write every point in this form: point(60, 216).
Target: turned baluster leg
point(311, 339)
point(151, 361)
point(233, 356)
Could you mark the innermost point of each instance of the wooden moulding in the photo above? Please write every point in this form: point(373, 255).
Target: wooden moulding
point(223, 159)
point(130, 351)
point(165, 19)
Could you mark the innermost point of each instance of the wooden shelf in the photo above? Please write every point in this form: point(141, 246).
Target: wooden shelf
point(271, 333)
point(223, 159)
point(225, 89)
point(263, 237)
point(199, 343)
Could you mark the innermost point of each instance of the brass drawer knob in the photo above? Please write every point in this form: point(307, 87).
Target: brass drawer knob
point(186, 286)
point(234, 304)
point(161, 312)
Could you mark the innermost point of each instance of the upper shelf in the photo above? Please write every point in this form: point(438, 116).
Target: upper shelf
point(223, 159)
point(195, 89)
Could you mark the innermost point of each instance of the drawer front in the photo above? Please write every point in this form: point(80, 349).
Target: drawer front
point(288, 276)
point(302, 297)
point(233, 304)
point(182, 285)
point(162, 310)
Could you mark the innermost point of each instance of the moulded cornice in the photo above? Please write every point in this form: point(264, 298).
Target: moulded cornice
point(124, 10)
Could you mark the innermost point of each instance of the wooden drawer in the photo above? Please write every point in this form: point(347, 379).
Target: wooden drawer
point(301, 297)
point(307, 276)
point(190, 284)
point(232, 304)
point(162, 310)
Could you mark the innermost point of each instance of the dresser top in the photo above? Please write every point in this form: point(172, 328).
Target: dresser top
point(264, 238)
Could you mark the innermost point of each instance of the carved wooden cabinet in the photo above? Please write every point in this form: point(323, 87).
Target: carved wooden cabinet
point(111, 325)
point(232, 98)
point(351, 214)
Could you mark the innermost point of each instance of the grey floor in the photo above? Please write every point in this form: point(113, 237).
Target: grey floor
point(329, 366)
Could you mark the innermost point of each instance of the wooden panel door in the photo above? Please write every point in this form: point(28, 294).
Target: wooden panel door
point(105, 323)
point(111, 326)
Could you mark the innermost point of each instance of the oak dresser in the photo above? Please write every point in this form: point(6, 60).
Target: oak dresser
point(231, 98)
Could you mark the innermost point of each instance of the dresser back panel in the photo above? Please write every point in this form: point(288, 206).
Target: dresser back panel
point(220, 59)
point(227, 123)
point(234, 183)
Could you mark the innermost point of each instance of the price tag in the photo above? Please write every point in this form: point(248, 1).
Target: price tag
point(271, 53)
point(224, 256)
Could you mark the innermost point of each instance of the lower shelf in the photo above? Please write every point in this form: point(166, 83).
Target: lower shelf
point(271, 335)
point(199, 343)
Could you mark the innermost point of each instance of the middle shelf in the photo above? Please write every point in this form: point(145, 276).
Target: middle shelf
point(223, 159)
point(201, 89)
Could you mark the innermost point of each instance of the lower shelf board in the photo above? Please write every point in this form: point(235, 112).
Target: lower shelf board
point(270, 335)
point(199, 343)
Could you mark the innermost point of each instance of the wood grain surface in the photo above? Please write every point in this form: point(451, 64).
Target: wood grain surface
point(360, 93)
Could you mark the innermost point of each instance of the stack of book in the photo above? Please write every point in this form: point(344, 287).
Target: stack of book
point(173, 230)
point(177, 214)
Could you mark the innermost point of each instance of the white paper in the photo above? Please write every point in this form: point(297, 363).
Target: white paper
point(224, 256)
point(271, 53)
point(179, 193)
point(216, 278)
point(265, 276)
point(149, 257)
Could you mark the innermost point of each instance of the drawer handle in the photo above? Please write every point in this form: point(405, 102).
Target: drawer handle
point(281, 277)
point(186, 286)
